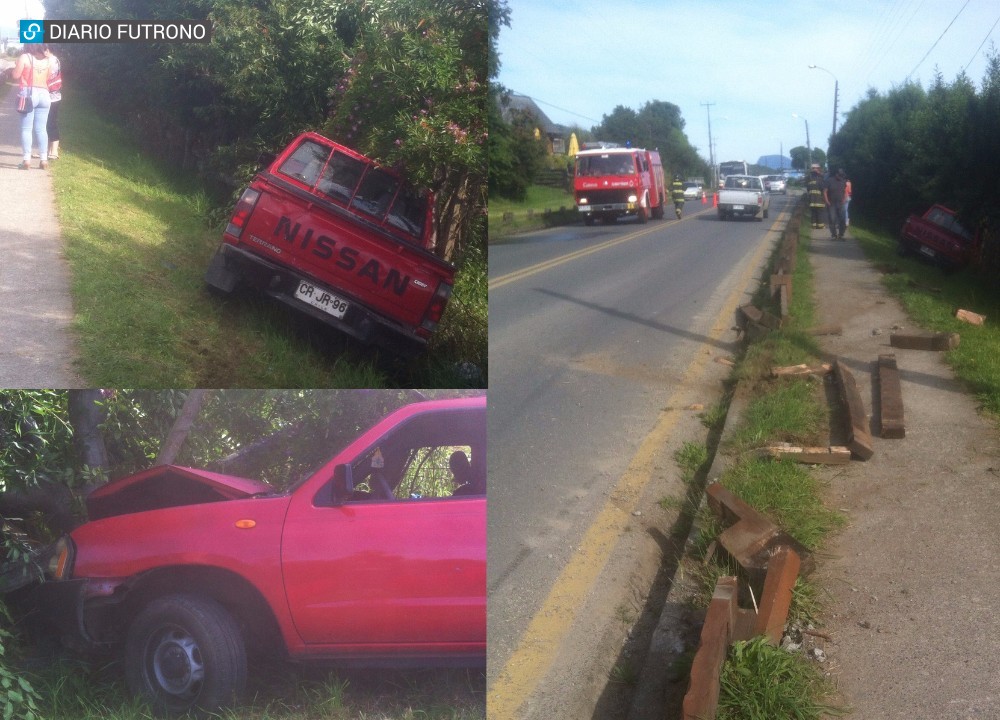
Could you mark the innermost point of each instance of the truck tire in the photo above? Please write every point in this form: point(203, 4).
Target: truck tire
point(658, 210)
point(765, 214)
point(185, 653)
point(588, 220)
point(643, 213)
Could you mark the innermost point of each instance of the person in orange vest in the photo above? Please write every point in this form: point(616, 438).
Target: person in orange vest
point(847, 202)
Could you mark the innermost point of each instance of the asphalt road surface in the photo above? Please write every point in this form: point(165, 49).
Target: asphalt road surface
point(592, 332)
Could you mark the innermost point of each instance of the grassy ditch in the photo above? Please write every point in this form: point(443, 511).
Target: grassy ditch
point(138, 244)
point(539, 210)
point(760, 681)
point(931, 296)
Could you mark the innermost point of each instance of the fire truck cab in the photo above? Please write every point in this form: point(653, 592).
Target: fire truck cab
point(611, 182)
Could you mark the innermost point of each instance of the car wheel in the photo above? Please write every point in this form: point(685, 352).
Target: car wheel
point(765, 212)
point(183, 653)
point(588, 220)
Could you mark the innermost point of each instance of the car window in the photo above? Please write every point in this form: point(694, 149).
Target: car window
point(377, 190)
point(340, 177)
point(430, 457)
point(306, 162)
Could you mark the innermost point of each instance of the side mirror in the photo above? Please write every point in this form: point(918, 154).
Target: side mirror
point(342, 486)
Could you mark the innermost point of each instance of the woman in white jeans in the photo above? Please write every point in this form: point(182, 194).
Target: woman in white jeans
point(32, 71)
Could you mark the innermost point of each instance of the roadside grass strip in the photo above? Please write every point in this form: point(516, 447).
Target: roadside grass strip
point(758, 680)
point(931, 298)
point(762, 682)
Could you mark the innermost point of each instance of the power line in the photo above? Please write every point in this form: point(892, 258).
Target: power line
point(542, 102)
point(938, 40)
point(981, 45)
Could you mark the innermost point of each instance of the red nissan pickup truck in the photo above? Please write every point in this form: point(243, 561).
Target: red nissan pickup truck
point(189, 572)
point(328, 232)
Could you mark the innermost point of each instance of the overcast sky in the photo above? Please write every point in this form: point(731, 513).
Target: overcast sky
point(579, 59)
point(13, 10)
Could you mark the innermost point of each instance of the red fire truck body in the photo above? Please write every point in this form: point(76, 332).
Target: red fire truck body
point(613, 182)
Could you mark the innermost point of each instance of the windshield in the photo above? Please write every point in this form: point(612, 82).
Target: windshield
point(606, 164)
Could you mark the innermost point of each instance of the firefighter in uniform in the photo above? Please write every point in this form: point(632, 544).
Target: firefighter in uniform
point(677, 193)
point(817, 205)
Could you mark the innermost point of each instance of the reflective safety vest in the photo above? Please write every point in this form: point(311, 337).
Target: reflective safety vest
point(815, 192)
point(677, 191)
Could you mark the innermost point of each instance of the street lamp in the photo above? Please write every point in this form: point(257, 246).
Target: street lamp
point(836, 93)
point(808, 146)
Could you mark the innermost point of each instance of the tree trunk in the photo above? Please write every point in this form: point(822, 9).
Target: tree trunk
point(86, 415)
point(182, 426)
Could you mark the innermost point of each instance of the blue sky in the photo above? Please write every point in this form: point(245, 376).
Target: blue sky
point(580, 59)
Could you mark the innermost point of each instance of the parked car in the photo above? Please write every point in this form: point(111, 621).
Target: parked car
point(938, 235)
point(693, 191)
point(775, 184)
point(374, 558)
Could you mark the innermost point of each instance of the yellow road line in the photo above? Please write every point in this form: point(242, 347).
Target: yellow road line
point(499, 282)
point(539, 645)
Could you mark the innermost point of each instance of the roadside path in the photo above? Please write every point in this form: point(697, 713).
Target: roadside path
point(37, 347)
point(913, 577)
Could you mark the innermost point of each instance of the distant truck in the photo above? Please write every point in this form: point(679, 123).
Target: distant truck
point(743, 195)
point(938, 236)
point(330, 233)
point(609, 183)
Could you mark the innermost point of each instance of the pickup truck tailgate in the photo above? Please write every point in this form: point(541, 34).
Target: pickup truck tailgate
point(324, 242)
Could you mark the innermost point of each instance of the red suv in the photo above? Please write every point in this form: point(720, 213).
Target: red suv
point(377, 556)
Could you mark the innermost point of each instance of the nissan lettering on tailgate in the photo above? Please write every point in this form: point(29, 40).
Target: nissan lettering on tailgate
point(330, 233)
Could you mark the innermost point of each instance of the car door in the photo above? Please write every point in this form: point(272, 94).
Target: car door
point(405, 571)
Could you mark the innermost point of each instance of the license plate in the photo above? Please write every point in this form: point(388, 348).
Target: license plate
point(927, 251)
point(318, 297)
point(738, 207)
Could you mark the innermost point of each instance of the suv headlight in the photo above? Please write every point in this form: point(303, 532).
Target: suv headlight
point(58, 559)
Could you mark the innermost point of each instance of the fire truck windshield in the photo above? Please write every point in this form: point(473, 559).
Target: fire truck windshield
point(605, 164)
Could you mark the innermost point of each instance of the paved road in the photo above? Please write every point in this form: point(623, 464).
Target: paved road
point(593, 332)
point(36, 312)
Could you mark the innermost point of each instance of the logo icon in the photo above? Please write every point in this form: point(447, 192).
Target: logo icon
point(32, 31)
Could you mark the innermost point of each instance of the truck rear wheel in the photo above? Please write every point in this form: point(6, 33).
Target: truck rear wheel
point(184, 653)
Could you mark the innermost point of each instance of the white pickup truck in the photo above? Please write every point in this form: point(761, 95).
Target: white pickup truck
point(743, 195)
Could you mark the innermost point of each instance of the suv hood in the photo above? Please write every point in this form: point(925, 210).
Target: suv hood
point(169, 486)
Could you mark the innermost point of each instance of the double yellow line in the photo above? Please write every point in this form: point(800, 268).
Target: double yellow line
point(499, 282)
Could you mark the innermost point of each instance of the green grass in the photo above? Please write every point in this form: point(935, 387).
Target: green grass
point(931, 297)
point(762, 682)
point(789, 410)
point(138, 244)
point(74, 690)
point(529, 214)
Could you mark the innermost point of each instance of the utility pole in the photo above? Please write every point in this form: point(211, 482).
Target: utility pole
point(711, 150)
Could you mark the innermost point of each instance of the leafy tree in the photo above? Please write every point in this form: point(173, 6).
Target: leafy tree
point(658, 125)
point(404, 81)
point(516, 155)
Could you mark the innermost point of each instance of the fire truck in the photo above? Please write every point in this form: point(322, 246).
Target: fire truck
point(611, 182)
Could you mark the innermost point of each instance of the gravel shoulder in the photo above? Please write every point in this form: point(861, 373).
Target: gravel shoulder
point(912, 611)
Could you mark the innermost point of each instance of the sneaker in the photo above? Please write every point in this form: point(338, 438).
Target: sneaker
point(24, 166)
point(43, 166)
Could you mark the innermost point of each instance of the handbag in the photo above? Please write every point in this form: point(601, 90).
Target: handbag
point(23, 103)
